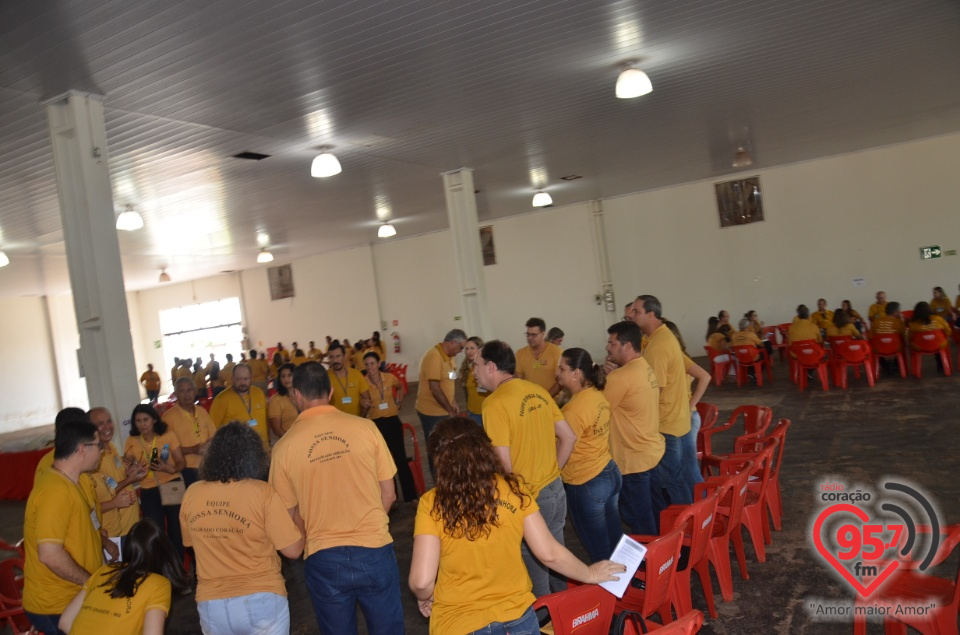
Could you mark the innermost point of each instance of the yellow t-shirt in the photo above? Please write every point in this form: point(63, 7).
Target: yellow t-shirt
point(854, 315)
point(296, 361)
point(345, 393)
point(382, 400)
point(886, 324)
point(588, 413)
point(801, 330)
point(848, 330)
point(183, 371)
point(941, 307)
point(282, 407)
point(87, 485)
point(314, 354)
point(236, 530)
point(822, 319)
point(57, 512)
point(436, 366)
point(475, 394)
point(743, 338)
point(937, 323)
point(718, 342)
point(484, 580)
point(665, 357)
point(331, 465)
point(150, 380)
point(259, 369)
point(877, 310)
point(357, 360)
point(139, 450)
point(191, 429)
point(200, 379)
point(119, 521)
point(540, 370)
point(101, 613)
point(229, 406)
point(635, 440)
point(521, 415)
point(226, 373)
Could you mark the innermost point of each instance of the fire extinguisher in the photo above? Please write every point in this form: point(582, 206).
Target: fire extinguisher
point(396, 342)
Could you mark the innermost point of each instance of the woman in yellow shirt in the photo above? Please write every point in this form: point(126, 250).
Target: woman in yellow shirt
point(281, 411)
point(590, 477)
point(924, 319)
point(475, 394)
point(841, 326)
point(940, 304)
point(855, 318)
point(467, 572)
point(133, 596)
point(386, 395)
point(152, 444)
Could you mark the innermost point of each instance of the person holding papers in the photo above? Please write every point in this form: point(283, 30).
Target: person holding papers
point(467, 572)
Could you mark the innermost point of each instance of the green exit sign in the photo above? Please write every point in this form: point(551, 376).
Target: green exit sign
point(928, 253)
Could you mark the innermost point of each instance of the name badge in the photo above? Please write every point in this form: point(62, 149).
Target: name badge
point(452, 374)
point(383, 406)
point(482, 390)
point(346, 400)
point(252, 423)
point(94, 519)
point(111, 483)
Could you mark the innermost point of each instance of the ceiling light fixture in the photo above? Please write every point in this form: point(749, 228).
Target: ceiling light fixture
point(542, 199)
point(742, 158)
point(264, 257)
point(4, 261)
point(324, 165)
point(633, 82)
point(164, 276)
point(386, 231)
point(129, 220)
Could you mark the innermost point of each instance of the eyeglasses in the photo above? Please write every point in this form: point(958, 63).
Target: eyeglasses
point(529, 335)
point(93, 444)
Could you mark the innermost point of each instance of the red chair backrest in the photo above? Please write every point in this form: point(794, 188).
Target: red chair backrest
point(730, 506)
point(713, 353)
point(928, 341)
point(660, 564)
point(582, 610)
point(907, 315)
point(887, 343)
point(779, 432)
point(853, 351)
point(762, 461)
point(688, 624)
point(836, 340)
point(770, 333)
point(784, 330)
point(746, 353)
point(699, 532)
point(807, 352)
point(756, 418)
point(11, 596)
point(708, 414)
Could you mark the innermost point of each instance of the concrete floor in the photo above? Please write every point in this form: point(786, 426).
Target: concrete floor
point(900, 428)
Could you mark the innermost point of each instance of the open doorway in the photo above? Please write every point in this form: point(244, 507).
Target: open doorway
point(200, 329)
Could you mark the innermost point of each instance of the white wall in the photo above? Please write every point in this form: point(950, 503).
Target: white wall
point(64, 341)
point(827, 222)
point(28, 372)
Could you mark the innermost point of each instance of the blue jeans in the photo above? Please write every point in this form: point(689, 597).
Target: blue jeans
point(476, 417)
point(688, 442)
point(339, 577)
point(672, 476)
point(46, 624)
point(254, 614)
point(428, 423)
point(553, 507)
point(641, 500)
point(526, 624)
point(595, 513)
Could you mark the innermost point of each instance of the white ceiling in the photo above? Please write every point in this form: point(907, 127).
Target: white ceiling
point(406, 89)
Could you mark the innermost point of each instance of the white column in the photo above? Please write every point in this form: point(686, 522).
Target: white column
point(79, 143)
point(607, 299)
point(464, 227)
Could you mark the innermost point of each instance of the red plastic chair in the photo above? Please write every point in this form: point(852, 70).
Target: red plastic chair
point(852, 353)
point(205, 403)
point(748, 355)
point(888, 345)
point(12, 615)
point(401, 373)
point(929, 343)
point(686, 625)
point(754, 515)
point(718, 370)
point(808, 355)
point(649, 591)
point(756, 422)
point(907, 315)
point(565, 608)
point(415, 465)
point(708, 418)
point(726, 529)
point(777, 342)
point(697, 519)
point(909, 586)
point(13, 548)
point(773, 497)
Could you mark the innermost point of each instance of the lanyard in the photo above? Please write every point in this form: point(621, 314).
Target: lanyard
point(248, 406)
point(379, 387)
point(342, 387)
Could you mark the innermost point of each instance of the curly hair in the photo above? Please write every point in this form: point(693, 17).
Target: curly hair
point(467, 470)
point(235, 453)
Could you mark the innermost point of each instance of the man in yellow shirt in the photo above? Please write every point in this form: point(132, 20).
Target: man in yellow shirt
point(259, 371)
point(334, 474)
point(539, 359)
point(61, 532)
point(436, 388)
point(114, 480)
point(242, 402)
point(665, 357)
point(878, 309)
point(824, 316)
point(532, 439)
point(890, 323)
point(226, 373)
point(350, 392)
point(193, 427)
point(803, 327)
point(314, 354)
point(174, 369)
point(150, 380)
point(636, 443)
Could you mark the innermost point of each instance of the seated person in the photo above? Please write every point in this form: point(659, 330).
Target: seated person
point(720, 340)
point(746, 335)
point(855, 318)
point(756, 325)
point(823, 317)
point(803, 328)
point(877, 309)
point(924, 319)
point(940, 305)
point(841, 326)
point(890, 322)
